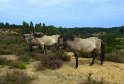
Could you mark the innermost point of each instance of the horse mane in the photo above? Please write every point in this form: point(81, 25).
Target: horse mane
point(66, 38)
point(38, 34)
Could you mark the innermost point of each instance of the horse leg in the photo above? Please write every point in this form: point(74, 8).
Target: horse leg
point(76, 57)
point(45, 50)
point(94, 56)
point(102, 55)
point(30, 46)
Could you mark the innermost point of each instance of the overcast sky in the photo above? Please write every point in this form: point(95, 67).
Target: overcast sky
point(65, 13)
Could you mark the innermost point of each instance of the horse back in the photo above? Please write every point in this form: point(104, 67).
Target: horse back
point(66, 38)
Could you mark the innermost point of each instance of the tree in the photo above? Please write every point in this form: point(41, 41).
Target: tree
point(1, 25)
point(7, 25)
point(25, 27)
point(121, 30)
point(31, 26)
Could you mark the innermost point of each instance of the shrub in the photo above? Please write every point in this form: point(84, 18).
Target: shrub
point(50, 61)
point(15, 77)
point(25, 57)
point(108, 49)
point(63, 56)
point(4, 61)
point(5, 51)
point(116, 56)
point(17, 64)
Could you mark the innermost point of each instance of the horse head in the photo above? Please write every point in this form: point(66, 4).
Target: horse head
point(25, 38)
point(21, 38)
point(62, 40)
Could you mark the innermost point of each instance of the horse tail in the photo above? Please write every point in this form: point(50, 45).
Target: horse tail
point(102, 56)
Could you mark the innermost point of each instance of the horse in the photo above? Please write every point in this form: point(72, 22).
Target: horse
point(48, 41)
point(91, 45)
point(43, 41)
point(30, 40)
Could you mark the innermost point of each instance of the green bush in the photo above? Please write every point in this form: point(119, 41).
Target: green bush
point(63, 56)
point(109, 49)
point(21, 66)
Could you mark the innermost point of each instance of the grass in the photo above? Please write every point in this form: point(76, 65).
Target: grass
point(15, 77)
point(90, 80)
point(18, 65)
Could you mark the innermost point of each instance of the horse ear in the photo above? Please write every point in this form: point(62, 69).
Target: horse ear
point(31, 32)
point(61, 38)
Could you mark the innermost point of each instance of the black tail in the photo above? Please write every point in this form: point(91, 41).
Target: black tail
point(102, 56)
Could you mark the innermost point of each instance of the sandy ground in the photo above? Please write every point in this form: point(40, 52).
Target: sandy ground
point(111, 72)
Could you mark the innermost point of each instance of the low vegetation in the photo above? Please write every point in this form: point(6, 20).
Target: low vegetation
point(92, 81)
point(15, 77)
point(116, 56)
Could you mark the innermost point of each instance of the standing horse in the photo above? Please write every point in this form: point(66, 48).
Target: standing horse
point(48, 41)
point(88, 45)
point(42, 42)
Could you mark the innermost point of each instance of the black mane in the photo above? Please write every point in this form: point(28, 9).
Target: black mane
point(66, 38)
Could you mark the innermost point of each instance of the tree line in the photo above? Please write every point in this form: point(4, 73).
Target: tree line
point(26, 27)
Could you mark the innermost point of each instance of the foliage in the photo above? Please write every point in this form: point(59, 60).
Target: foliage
point(51, 62)
point(109, 49)
point(4, 61)
point(116, 56)
point(63, 56)
point(19, 65)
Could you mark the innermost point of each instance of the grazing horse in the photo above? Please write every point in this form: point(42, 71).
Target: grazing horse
point(30, 40)
point(78, 45)
point(42, 42)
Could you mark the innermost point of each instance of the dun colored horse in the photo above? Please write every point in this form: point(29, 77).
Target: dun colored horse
point(88, 45)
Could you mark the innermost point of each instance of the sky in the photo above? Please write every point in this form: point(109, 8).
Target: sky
point(65, 13)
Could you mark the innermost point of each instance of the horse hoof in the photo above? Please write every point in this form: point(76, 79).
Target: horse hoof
point(91, 64)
